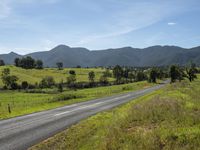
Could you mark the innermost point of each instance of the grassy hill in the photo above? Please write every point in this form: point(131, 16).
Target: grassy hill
point(25, 103)
point(34, 75)
point(165, 119)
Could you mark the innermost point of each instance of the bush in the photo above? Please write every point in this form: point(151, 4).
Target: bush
point(47, 82)
point(24, 85)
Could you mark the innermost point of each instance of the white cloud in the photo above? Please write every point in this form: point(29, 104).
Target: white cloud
point(129, 18)
point(171, 23)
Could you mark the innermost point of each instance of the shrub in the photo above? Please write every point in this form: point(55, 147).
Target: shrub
point(24, 85)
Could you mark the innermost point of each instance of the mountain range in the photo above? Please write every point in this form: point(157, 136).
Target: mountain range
point(126, 56)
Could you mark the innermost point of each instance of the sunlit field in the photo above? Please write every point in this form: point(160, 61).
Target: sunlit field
point(165, 119)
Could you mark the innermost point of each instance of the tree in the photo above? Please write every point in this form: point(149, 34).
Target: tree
point(107, 73)
point(103, 80)
point(59, 65)
point(39, 64)
point(71, 79)
point(140, 76)
point(60, 87)
point(91, 76)
point(17, 62)
point(47, 82)
point(153, 75)
point(131, 76)
point(191, 72)
point(2, 63)
point(8, 80)
point(118, 73)
point(27, 62)
point(126, 73)
point(176, 73)
point(72, 72)
point(24, 85)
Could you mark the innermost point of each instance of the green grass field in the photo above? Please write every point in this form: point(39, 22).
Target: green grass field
point(34, 75)
point(167, 119)
point(24, 103)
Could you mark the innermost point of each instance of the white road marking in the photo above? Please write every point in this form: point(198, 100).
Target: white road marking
point(89, 106)
point(79, 108)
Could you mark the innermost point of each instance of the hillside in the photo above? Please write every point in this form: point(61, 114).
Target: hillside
point(35, 76)
point(127, 56)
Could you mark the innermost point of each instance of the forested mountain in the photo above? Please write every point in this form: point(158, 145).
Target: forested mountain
point(126, 56)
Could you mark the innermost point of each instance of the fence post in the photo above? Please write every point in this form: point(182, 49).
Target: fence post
point(9, 109)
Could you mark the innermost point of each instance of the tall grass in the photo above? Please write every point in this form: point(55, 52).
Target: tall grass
point(24, 103)
point(167, 119)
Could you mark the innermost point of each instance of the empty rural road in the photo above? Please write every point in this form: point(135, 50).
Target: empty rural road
point(22, 132)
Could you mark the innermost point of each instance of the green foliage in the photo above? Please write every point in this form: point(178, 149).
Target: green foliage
point(176, 73)
point(118, 73)
point(191, 72)
point(39, 64)
point(24, 85)
point(153, 75)
point(71, 79)
point(165, 119)
point(36, 75)
point(72, 72)
point(9, 81)
point(28, 63)
point(2, 63)
point(103, 80)
point(91, 76)
point(47, 82)
point(107, 73)
point(59, 65)
point(60, 87)
point(29, 101)
point(141, 76)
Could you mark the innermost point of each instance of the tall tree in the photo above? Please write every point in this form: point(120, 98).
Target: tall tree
point(27, 62)
point(153, 75)
point(39, 64)
point(17, 62)
point(9, 81)
point(118, 73)
point(59, 65)
point(191, 72)
point(2, 63)
point(91, 76)
point(71, 79)
point(176, 73)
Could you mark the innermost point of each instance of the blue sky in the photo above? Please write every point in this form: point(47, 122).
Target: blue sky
point(37, 25)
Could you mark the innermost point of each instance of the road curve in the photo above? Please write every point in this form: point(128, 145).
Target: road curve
point(23, 132)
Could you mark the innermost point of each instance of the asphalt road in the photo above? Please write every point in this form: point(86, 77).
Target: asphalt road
point(22, 132)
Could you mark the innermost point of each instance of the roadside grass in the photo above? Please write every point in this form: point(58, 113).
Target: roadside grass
point(35, 76)
point(166, 119)
point(22, 103)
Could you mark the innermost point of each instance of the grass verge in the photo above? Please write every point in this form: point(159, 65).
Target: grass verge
point(165, 119)
point(25, 103)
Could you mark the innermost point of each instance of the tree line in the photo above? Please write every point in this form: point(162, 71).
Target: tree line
point(121, 74)
point(28, 63)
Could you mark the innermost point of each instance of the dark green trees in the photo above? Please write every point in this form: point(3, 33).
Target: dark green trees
point(118, 73)
point(9, 81)
point(153, 75)
point(71, 79)
point(91, 76)
point(2, 63)
point(191, 72)
point(59, 65)
point(47, 82)
point(39, 64)
point(176, 73)
point(28, 63)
